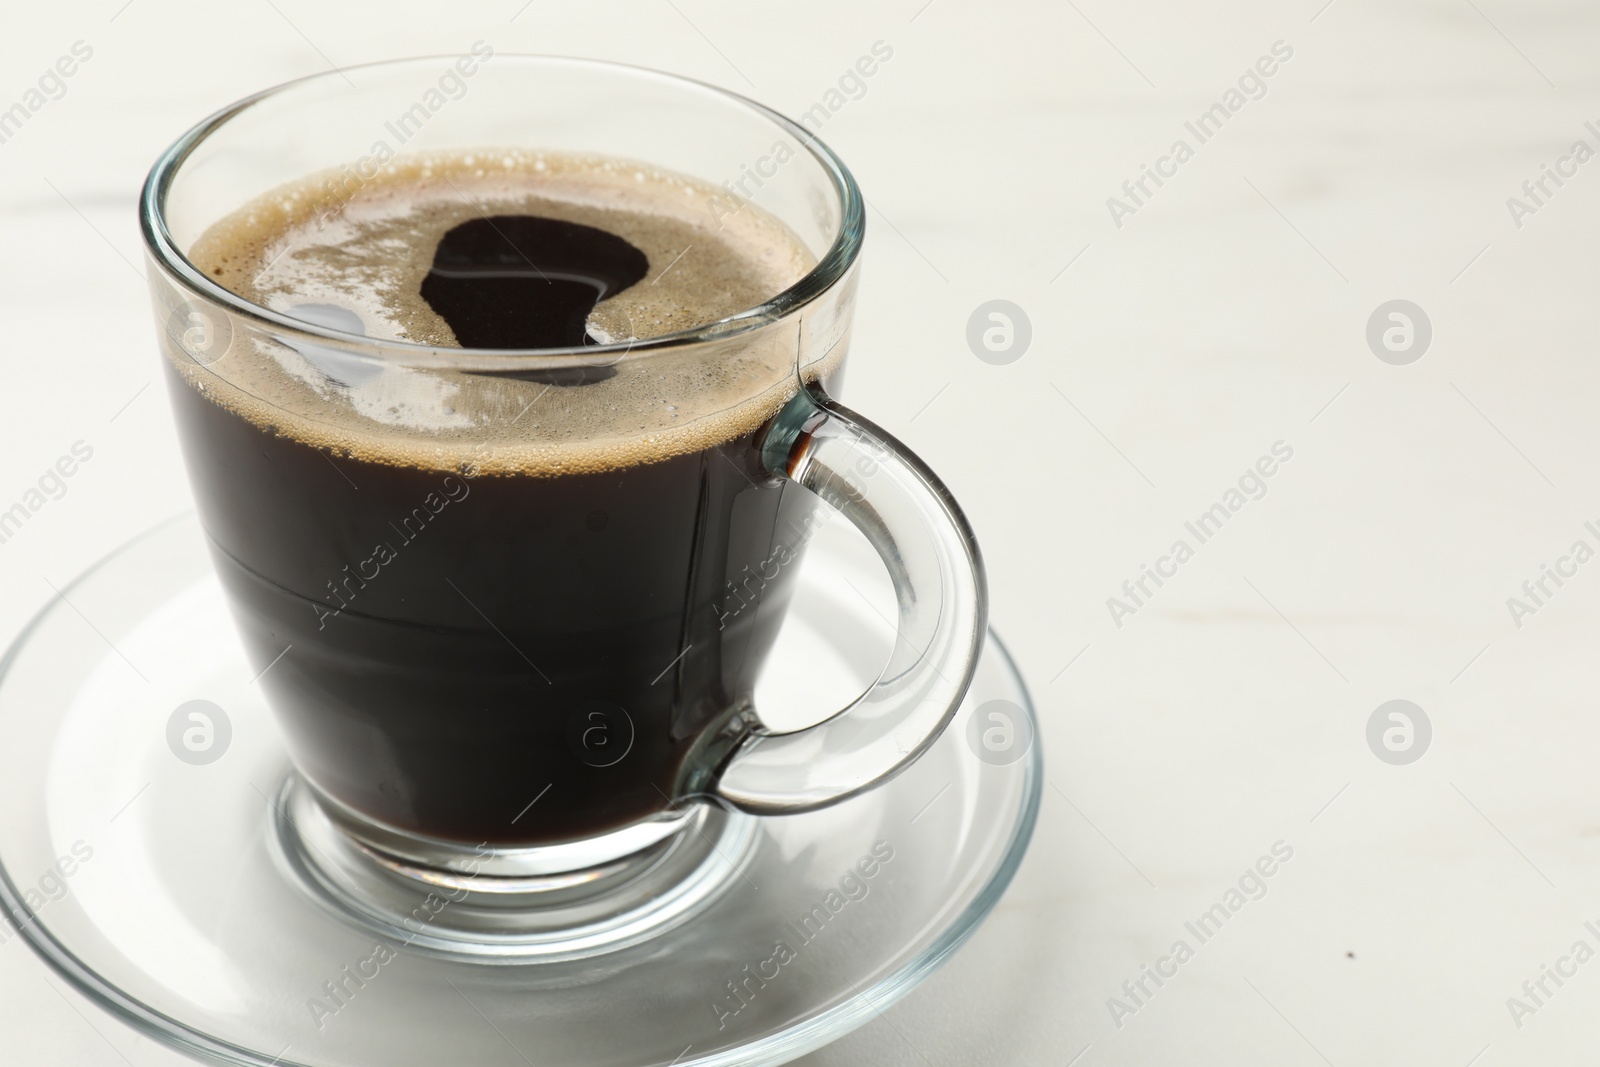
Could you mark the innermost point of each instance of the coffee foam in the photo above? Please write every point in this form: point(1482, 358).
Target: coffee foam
point(351, 254)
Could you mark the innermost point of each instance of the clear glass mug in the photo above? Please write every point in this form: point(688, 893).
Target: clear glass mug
point(532, 686)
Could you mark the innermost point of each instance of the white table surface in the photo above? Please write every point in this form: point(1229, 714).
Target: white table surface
point(1228, 313)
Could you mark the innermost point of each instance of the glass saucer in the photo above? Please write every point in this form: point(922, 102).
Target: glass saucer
point(141, 855)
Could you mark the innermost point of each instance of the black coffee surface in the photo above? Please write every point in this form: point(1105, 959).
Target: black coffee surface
point(521, 281)
point(444, 632)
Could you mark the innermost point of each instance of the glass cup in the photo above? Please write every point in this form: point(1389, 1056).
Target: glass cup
point(505, 663)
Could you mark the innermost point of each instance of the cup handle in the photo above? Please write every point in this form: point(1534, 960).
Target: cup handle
point(910, 518)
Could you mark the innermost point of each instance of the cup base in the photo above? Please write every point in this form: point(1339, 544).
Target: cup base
point(210, 901)
point(515, 905)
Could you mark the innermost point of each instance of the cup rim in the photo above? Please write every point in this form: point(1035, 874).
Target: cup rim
point(832, 266)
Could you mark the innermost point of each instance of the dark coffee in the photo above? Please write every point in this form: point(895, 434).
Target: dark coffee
point(521, 281)
point(490, 644)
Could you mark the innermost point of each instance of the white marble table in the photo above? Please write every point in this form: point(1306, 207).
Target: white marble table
point(1226, 313)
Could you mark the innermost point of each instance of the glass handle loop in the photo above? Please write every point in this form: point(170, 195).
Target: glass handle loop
point(934, 563)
